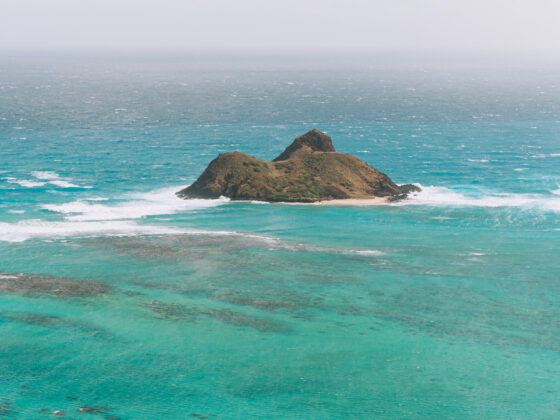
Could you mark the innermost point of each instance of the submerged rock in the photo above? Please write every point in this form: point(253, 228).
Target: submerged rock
point(6, 409)
point(308, 170)
point(93, 410)
point(58, 286)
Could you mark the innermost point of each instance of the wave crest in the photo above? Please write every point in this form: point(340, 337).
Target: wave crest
point(160, 202)
point(35, 228)
point(91, 218)
point(442, 196)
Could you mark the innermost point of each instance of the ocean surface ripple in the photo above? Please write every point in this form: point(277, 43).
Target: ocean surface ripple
point(120, 300)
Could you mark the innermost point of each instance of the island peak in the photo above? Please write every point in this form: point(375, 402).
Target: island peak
point(312, 141)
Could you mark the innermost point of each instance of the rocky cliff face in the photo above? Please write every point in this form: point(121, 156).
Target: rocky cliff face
point(308, 170)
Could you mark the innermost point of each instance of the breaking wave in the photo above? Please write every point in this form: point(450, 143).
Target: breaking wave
point(43, 178)
point(40, 229)
point(160, 202)
point(26, 183)
point(91, 218)
point(35, 228)
point(55, 179)
point(442, 196)
point(99, 216)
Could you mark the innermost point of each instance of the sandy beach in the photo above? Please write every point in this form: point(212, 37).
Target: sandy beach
point(354, 202)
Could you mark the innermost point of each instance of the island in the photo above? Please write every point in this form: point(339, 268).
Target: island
point(310, 170)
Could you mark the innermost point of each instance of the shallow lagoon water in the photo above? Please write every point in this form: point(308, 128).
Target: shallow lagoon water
point(118, 298)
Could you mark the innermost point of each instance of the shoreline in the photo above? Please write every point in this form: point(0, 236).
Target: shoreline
point(353, 202)
point(376, 201)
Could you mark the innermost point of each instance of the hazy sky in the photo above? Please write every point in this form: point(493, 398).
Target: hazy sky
point(293, 25)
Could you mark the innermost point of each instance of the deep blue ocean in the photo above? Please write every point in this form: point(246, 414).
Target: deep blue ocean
point(120, 301)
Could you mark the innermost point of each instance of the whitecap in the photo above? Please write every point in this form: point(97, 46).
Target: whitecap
point(25, 182)
point(91, 218)
point(367, 252)
point(96, 199)
point(48, 175)
point(35, 228)
point(159, 202)
point(66, 184)
point(442, 196)
point(48, 230)
point(543, 156)
point(54, 179)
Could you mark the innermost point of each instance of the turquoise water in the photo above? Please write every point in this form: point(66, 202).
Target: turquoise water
point(119, 298)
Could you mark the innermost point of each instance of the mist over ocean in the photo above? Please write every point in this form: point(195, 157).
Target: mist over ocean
point(119, 297)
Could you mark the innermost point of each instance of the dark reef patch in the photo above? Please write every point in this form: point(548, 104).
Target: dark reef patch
point(93, 410)
point(155, 247)
point(177, 312)
point(267, 301)
point(261, 303)
point(7, 410)
point(37, 284)
point(56, 322)
point(176, 288)
point(132, 293)
point(239, 319)
point(178, 247)
point(171, 311)
point(34, 318)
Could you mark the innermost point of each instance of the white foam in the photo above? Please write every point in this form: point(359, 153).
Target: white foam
point(97, 199)
point(25, 182)
point(274, 244)
point(91, 218)
point(66, 184)
point(154, 203)
point(40, 229)
point(54, 179)
point(48, 175)
point(478, 160)
point(441, 196)
point(543, 156)
point(35, 228)
point(368, 252)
